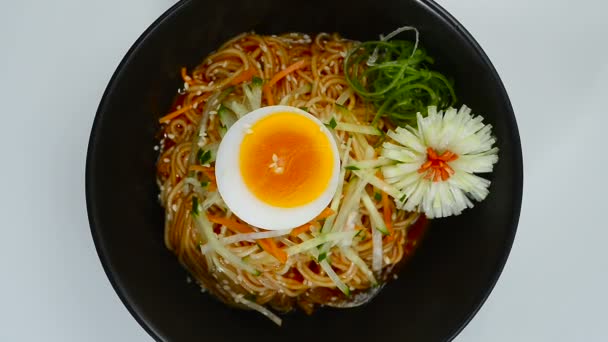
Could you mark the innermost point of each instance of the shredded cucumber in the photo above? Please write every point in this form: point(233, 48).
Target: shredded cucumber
point(350, 203)
point(335, 202)
point(323, 238)
point(253, 93)
point(206, 229)
point(335, 277)
point(356, 259)
point(374, 215)
point(382, 185)
point(369, 164)
point(259, 308)
point(237, 108)
point(227, 117)
point(354, 128)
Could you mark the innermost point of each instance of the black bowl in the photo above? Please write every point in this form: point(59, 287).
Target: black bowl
point(436, 293)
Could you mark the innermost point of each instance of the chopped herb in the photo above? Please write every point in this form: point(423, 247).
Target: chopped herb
point(332, 123)
point(194, 205)
point(203, 156)
point(341, 107)
point(377, 197)
point(352, 168)
point(304, 108)
point(402, 198)
point(251, 297)
point(204, 183)
point(256, 81)
point(322, 257)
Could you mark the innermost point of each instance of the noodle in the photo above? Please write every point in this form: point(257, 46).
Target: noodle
point(317, 85)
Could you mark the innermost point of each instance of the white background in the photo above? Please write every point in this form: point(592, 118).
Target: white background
point(56, 58)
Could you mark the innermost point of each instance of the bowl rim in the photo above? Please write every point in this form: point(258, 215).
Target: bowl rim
point(91, 201)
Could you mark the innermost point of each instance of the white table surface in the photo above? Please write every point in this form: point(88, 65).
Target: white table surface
point(56, 58)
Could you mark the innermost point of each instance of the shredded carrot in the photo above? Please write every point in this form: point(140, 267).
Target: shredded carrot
point(278, 76)
point(268, 96)
point(295, 66)
point(386, 206)
point(182, 110)
point(244, 76)
point(185, 76)
point(269, 245)
point(207, 170)
point(436, 166)
point(327, 212)
point(200, 168)
point(301, 229)
point(231, 224)
point(174, 114)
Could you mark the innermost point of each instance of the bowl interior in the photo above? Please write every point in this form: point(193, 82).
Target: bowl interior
point(436, 293)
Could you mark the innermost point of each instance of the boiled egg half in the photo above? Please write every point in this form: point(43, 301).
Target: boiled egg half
point(277, 167)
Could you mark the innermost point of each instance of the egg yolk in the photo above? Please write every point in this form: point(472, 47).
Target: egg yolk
point(286, 160)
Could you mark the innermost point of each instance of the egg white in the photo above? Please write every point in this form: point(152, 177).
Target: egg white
point(242, 202)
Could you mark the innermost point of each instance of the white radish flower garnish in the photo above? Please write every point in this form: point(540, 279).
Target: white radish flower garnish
point(436, 163)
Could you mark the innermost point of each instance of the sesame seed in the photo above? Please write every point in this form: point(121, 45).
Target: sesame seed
point(155, 147)
point(174, 207)
point(211, 83)
point(166, 160)
point(188, 280)
point(199, 93)
point(195, 105)
point(171, 136)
